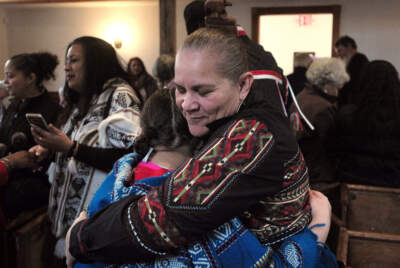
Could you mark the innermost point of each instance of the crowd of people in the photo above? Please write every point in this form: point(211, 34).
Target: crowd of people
point(203, 164)
point(353, 104)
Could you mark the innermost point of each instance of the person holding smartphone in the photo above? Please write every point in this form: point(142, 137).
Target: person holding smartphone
point(24, 77)
point(98, 126)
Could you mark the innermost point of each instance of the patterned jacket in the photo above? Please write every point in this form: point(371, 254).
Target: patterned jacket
point(75, 182)
point(250, 166)
point(229, 245)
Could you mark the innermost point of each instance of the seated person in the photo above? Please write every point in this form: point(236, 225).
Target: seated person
point(164, 144)
point(24, 77)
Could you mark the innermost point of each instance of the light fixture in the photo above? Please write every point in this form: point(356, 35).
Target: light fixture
point(117, 43)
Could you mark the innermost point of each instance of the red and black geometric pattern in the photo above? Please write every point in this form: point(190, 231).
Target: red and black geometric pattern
point(288, 211)
point(203, 178)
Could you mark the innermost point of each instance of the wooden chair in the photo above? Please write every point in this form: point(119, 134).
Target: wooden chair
point(370, 208)
point(358, 249)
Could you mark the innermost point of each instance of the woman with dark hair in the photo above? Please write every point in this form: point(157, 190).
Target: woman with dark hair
point(24, 77)
point(141, 79)
point(249, 166)
point(100, 124)
point(368, 133)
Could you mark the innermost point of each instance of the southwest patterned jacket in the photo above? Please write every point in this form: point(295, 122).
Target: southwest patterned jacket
point(250, 166)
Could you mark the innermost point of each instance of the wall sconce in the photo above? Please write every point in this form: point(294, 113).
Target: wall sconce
point(118, 43)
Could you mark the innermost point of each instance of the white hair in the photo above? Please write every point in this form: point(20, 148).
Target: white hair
point(327, 71)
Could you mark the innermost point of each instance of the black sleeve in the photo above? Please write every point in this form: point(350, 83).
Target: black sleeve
point(104, 237)
point(173, 215)
point(100, 158)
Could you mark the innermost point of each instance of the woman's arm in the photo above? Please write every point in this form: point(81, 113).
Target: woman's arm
point(21, 159)
point(204, 193)
point(104, 157)
point(117, 133)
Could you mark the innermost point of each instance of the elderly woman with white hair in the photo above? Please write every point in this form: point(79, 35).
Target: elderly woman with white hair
point(326, 76)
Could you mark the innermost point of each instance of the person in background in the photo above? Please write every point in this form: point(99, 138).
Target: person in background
point(298, 79)
point(24, 78)
point(346, 49)
point(141, 80)
point(163, 70)
point(318, 102)
point(99, 125)
point(248, 160)
point(367, 139)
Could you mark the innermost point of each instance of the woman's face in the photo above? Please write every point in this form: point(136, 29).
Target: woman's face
point(135, 67)
point(75, 68)
point(16, 82)
point(202, 94)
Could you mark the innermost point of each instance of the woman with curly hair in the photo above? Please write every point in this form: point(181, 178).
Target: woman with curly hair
point(24, 78)
point(368, 133)
point(317, 101)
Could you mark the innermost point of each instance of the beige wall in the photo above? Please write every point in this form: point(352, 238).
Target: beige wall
point(3, 42)
point(374, 24)
point(51, 27)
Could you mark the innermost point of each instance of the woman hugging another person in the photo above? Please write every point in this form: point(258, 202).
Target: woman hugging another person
point(164, 144)
point(249, 167)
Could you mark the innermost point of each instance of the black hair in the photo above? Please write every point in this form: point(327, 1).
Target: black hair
point(42, 64)
point(346, 41)
point(162, 123)
point(194, 14)
point(140, 63)
point(379, 97)
point(101, 63)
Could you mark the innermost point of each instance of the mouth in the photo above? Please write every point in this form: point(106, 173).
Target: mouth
point(69, 77)
point(192, 120)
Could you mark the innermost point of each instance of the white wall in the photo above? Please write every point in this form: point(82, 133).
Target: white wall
point(374, 24)
point(51, 27)
point(3, 42)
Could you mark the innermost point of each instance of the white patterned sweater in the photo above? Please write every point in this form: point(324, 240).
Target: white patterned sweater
point(73, 182)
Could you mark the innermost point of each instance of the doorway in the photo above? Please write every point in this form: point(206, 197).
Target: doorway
point(285, 31)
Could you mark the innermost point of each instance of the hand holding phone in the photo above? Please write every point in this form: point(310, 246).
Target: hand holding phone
point(37, 120)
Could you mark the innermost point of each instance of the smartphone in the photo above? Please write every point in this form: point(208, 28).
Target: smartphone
point(37, 120)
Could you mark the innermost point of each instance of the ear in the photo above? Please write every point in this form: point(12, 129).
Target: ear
point(32, 77)
point(245, 83)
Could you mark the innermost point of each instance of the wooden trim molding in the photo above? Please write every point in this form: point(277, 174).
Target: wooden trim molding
point(256, 12)
point(167, 26)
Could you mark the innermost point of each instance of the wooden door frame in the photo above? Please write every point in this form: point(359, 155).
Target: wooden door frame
point(256, 12)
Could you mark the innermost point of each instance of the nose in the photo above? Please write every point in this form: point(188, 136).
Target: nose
point(6, 81)
point(67, 66)
point(189, 103)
